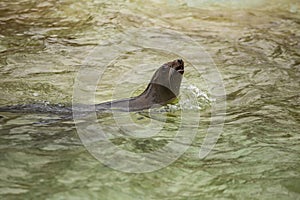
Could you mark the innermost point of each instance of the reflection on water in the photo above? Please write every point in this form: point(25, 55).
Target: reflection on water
point(256, 47)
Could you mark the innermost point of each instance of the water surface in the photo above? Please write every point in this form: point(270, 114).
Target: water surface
point(256, 47)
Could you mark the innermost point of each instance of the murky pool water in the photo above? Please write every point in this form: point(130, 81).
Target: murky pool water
point(255, 47)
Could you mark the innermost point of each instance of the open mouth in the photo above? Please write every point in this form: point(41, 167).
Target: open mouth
point(180, 67)
point(181, 71)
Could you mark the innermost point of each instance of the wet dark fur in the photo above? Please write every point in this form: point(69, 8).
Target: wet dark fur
point(163, 88)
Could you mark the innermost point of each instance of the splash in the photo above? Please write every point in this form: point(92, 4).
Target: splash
point(191, 98)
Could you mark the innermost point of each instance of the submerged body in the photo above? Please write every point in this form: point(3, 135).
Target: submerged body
point(163, 88)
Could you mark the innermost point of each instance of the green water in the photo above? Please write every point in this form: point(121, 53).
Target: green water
point(255, 47)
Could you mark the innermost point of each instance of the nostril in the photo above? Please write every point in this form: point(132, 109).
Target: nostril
point(179, 61)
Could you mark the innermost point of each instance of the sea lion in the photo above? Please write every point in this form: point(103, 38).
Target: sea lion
point(162, 89)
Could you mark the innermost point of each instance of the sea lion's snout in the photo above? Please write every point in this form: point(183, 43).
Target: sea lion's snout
point(180, 61)
point(178, 65)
